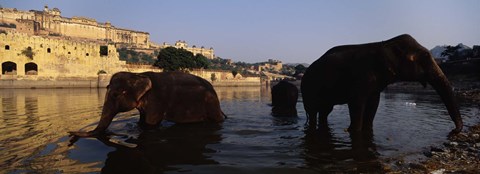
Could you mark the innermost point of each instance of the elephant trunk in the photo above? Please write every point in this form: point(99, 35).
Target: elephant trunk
point(105, 120)
point(440, 83)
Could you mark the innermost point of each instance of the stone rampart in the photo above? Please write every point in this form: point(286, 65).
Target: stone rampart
point(51, 58)
point(51, 62)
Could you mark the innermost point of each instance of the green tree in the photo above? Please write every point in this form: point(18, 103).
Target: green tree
point(451, 52)
point(213, 77)
point(299, 69)
point(234, 73)
point(173, 59)
point(201, 61)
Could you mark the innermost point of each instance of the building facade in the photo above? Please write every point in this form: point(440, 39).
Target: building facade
point(50, 22)
point(209, 53)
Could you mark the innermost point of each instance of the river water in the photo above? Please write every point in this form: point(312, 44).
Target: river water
point(34, 138)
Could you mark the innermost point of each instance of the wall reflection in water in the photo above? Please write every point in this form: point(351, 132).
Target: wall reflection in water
point(245, 93)
point(32, 120)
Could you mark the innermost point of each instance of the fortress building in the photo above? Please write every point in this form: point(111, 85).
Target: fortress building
point(272, 64)
point(44, 49)
point(209, 53)
point(50, 22)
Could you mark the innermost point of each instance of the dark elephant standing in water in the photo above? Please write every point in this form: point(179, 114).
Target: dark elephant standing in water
point(284, 99)
point(172, 96)
point(356, 74)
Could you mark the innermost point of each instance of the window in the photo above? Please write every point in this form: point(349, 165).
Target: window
point(87, 54)
point(9, 68)
point(49, 50)
point(7, 47)
point(103, 50)
point(31, 69)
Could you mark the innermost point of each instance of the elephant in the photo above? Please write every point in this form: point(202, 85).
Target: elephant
point(173, 96)
point(284, 99)
point(356, 74)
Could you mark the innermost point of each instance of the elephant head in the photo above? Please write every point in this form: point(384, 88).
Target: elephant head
point(407, 60)
point(124, 93)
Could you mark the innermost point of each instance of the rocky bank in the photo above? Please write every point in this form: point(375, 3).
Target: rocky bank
point(459, 154)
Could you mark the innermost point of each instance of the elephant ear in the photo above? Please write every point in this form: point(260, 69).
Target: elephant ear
point(141, 85)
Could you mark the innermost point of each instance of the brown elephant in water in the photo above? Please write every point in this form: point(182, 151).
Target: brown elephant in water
point(284, 99)
point(356, 74)
point(173, 96)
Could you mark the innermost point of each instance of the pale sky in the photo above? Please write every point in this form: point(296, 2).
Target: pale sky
point(293, 31)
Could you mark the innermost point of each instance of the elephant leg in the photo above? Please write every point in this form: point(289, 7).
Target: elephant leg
point(152, 116)
point(356, 109)
point(141, 121)
point(370, 111)
point(213, 111)
point(323, 115)
point(311, 119)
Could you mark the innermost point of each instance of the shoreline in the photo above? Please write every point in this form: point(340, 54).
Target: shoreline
point(98, 83)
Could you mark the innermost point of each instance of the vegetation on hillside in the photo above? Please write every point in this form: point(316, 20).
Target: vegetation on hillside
point(132, 56)
point(457, 52)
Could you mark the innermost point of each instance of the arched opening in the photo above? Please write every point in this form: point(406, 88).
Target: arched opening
point(7, 47)
point(49, 50)
point(9, 68)
point(31, 69)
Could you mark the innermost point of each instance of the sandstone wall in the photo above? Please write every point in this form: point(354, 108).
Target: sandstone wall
point(53, 58)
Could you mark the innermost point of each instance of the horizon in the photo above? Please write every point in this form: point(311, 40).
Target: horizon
point(300, 32)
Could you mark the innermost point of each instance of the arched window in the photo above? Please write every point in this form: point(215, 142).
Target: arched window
point(49, 50)
point(7, 47)
point(87, 54)
point(9, 68)
point(31, 69)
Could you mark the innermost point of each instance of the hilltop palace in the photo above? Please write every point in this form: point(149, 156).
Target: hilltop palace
point(45, 45)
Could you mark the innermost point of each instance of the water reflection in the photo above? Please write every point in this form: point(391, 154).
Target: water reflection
point(324, 152)
point(162, 150)
point(34, 119)
point(245, 93)
point(34, 125)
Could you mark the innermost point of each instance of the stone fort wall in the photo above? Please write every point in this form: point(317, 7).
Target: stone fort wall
point(54, 58)
point(57, 62)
